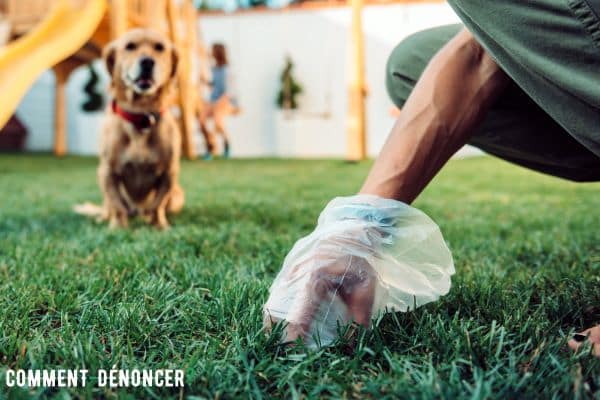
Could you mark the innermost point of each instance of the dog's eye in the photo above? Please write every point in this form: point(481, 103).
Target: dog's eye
point(159, 47)
point(130, 46)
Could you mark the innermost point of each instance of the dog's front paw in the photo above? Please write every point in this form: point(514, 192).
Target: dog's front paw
point(162, 225)
point(159, 219)
point(117, 221)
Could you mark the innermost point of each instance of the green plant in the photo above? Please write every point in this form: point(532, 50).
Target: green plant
point(287, 98)
point(95, 99)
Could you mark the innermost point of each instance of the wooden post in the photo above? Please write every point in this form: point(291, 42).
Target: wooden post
point(203, 68)
point(118, 18)
point(190, 98)
point(186, 94)
point(60, 112)
point(356, 136)
point(62, 71)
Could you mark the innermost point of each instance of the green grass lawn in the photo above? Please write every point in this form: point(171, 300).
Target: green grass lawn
point(74, 294)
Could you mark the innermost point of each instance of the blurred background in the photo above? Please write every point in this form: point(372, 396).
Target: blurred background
point(262, 38)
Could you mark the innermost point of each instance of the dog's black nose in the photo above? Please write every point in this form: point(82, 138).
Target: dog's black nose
point(147, 63)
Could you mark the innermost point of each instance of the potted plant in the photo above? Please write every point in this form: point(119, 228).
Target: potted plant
point(287, 98)
point(287, 127)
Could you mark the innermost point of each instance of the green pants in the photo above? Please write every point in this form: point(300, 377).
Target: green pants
point(548, 119)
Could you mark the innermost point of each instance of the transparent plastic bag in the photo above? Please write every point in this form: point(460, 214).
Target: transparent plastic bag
point(367, 255)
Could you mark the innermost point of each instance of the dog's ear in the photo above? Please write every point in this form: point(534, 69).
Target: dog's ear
point(174, 61)
point(109, 54)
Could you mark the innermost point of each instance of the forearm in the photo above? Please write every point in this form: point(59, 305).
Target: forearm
point(450, 99)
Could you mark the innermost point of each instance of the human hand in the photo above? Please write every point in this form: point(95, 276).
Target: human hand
point(367, 255)
point(339, 287)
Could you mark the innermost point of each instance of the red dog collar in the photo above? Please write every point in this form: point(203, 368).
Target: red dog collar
point(139, 120)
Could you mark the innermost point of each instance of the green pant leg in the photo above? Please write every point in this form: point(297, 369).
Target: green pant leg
point(551, 49)
point(410, 57)
point(515, 129)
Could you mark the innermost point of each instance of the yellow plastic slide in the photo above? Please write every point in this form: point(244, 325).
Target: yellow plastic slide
point(62, 33)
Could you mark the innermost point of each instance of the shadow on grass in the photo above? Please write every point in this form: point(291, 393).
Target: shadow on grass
point(217, 214)
point(68, 223)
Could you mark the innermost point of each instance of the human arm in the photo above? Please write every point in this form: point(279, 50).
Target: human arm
point(347, 263)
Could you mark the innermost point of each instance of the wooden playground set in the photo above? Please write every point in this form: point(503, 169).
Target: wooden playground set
point(66, 34)
point(62, 35)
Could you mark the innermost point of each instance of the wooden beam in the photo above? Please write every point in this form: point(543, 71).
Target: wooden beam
point(118, 18)
point(356, 134)
point(62, 71)
point(186, 90)
point(190, 95)
point(203, 65)
point(60, 112)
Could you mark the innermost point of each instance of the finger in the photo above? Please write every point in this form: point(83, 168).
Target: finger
point(319, 288)
point(347, 278)
point(358, 291)
point(591, 335)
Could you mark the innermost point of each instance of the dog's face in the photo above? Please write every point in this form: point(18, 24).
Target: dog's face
point(142, 60)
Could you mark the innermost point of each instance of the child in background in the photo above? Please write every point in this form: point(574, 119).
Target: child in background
point(220, 104)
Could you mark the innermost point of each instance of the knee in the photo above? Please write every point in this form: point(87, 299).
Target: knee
point(401, 74)
point(410, 57)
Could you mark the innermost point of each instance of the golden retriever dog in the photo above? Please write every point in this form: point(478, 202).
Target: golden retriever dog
point(140, 143)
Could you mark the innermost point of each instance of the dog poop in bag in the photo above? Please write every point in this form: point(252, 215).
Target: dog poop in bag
point(367, 255)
